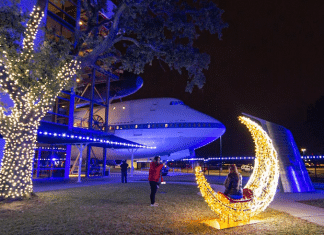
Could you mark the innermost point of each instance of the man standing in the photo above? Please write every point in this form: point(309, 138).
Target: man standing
point(154, 177)
point(123, 168)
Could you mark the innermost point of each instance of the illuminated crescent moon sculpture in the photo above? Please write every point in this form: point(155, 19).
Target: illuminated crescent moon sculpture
point(263, 181)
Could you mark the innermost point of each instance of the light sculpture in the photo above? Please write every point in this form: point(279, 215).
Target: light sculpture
point(263, 181)
point(32, 96)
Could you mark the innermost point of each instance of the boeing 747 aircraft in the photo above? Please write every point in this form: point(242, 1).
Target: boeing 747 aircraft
point(173, 129)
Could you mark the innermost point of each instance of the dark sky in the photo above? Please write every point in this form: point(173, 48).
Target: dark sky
point(269, 64)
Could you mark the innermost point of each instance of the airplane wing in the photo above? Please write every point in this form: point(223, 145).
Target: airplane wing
point(52, 133)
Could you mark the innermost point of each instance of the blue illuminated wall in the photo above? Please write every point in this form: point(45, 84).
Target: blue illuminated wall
point(294, 177)
point(293, 174)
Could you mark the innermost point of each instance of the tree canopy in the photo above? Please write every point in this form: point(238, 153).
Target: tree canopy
point(138, 32)
point(143, 30)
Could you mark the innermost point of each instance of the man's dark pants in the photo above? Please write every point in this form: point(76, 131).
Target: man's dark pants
point(153, 185)
point(124, 176)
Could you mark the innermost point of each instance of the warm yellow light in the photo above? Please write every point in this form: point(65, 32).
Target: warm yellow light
point(263, 181)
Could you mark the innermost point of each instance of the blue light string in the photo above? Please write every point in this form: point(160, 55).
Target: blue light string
point(87, 138)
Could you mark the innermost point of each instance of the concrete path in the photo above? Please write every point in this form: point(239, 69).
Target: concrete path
point(288, 202)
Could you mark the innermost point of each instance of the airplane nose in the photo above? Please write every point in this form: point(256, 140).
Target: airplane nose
point(209, 128)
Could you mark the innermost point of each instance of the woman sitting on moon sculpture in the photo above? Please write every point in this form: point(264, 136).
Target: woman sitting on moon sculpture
point(233, 183)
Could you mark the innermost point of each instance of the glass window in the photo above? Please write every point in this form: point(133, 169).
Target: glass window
point(176, 103)
point(60, 30)
point(66, 11)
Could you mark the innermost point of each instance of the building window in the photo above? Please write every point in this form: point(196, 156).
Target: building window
point(60, 30)
point(176, 103)
point(67, 11)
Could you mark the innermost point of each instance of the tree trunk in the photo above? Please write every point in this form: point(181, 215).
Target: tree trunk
point(17, 162)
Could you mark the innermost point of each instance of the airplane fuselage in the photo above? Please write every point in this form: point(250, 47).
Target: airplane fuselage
point(174, 129)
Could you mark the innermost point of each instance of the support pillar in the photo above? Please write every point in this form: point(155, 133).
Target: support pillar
point(90, 119)
point(67, 162)
point(106, 124)
point(88, 162)
point(70, 126)
point(38, 162)
point(80, 147)
point(104, 150)
point(132, 163)
point(132, 160)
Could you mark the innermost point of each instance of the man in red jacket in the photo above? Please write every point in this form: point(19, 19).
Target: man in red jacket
point(154, 177)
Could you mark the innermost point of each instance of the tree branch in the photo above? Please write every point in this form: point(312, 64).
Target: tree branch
point(92, 57)
point(123, 38)
point(49, 92)
point(30, 33)
point(3, 117)
point(9, 82)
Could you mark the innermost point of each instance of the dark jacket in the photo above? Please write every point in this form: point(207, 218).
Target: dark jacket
point(124, 167)
point(233, 184)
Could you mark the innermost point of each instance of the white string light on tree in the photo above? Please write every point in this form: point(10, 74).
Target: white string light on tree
point(32, 97)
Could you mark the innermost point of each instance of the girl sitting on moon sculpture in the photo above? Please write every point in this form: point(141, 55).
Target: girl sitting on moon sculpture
point(233, 183)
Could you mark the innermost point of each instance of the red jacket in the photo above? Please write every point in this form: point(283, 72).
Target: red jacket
point(154, 172)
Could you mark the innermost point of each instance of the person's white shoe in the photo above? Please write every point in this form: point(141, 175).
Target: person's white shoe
point(155, 204)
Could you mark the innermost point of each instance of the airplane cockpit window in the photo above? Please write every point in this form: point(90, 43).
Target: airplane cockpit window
point(176, 103)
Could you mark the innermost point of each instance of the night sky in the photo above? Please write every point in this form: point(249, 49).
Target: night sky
point(269, 64)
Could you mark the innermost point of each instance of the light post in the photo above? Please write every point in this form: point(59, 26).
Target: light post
point(303, 150)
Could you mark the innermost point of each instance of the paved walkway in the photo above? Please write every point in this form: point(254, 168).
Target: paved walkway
point(286, 202)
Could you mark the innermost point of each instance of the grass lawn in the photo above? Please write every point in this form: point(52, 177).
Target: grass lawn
point(318, 202)
point(125, 209)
